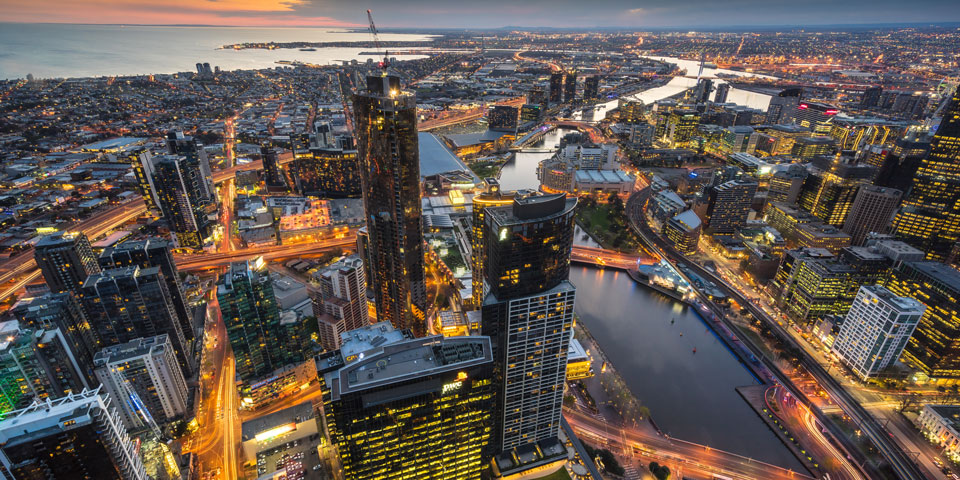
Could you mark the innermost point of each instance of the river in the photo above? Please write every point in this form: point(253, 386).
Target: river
point(690, 395)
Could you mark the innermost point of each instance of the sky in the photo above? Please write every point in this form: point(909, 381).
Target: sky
point(483, 13)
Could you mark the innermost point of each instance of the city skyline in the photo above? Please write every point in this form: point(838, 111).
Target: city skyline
point(432, 14)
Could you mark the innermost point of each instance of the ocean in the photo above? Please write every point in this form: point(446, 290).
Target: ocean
point(66, 50)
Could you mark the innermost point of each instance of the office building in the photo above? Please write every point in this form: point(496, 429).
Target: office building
point(179, 144)
point(819, 235)
point(591, 88)
point(683, 231)
point(872, 212)
point(341, 303)
point(328, 171)
point(131, 302)
point(813, 282)
point(252, 319)
point(728, 205)
point(782, 105)
point(66, 260)
point(701, 93)
point(144, 377)
point(900, 163)
point(386, 125)
point(77, 436)
point(785, 184)
point(503, 118)
point(829, 190)
point(185, 199)
point(528, 313)
point(937, 286)
point(154, 252)
point(871, 97)
point(723, 90)
point(142, 162)
point(531, 113)
point(876, 330)
point(556, 88)
point(930, 216)
point(398, 407)
point(808, 148)
point(36, 364)
point(630, 111)
point(492, 197)
point(274, 176)
point(681, 126)
point(536, 96)
point(570, 87)
point(814, 116)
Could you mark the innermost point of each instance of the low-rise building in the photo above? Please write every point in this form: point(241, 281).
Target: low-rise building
point(940, 424)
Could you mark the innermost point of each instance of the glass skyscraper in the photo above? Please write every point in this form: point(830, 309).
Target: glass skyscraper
point(386, 127)
point(930, 217)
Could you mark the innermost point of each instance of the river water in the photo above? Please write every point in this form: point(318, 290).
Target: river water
point(691, 396)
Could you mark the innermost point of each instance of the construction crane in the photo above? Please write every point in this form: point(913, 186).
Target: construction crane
point(376, 41)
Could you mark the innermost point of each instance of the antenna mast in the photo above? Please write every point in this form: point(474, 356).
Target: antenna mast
point(376, 41)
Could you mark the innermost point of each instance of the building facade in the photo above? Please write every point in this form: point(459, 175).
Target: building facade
point(342, 301)
point(66, 260)
point(386, 125)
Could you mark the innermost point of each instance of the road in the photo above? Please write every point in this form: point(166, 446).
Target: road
point(692, 458)
point(887, 447)
point(217, 440)
point(200, 261)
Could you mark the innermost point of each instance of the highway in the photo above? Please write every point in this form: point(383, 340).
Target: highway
point(898, 460)
point(200, 261)
point(606, 258)
point(694, 459)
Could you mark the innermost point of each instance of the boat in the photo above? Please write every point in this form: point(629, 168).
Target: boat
point(308, 49)
point(694, 349)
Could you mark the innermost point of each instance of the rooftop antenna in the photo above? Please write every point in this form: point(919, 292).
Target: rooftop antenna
point(376, 42)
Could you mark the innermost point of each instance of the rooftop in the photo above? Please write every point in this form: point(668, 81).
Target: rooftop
point(295, 414)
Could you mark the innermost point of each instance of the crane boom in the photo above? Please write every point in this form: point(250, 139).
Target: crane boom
point(376, 40)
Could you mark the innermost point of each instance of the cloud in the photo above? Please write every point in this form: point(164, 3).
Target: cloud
point(637, 11)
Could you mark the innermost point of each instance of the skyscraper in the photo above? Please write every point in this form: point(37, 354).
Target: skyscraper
point(328, 171)
point(933, 348)
point(872, 211)
point(386, 126)
point(728, 205)
point(930, 217)
point(252, 318)
point(132, 302)
point(570, 87)
point(492, 197)
point(185, 199)
point(503, 118)
point(180, 145)
point(723, 90)
point(274, 176)
point(830, 189)
point(153, 252)
point(399, 407)
point(77, 436)
point(556, 88)
point(145, 379)
point(876, 330)
point(782, 105)
point(36, 364)
point(528, 313)
point(341, 303)
point(591, 88)
point(66, 260)
point(64, 312)
point(871, 97)
point(900, 165)
point(142, 162)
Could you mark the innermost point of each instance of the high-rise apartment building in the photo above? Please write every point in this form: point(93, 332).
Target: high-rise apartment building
point(872, 212)
point(492, 197)
point(591, 88)
point(932, 349)
point(386, 126)
point(131, 302)
point(36, 364)
point(528, 313)
point(503, 118)
point(77, 436)
point(184, 199)
point(154, 252)
point(341, 303)
point(570, 87)
point(64, 312)
point(930, 216)
point(66, 260)
point(782, 105)
point(876, 330)
point(142, 162)
point(728, 205)
point(871, 97)
point(252, 318)
point(179, 144)
point(556, 88)
point(274, 176)
point(723, 90)
point(144, 377)
point(398, 407)
point(328, 170)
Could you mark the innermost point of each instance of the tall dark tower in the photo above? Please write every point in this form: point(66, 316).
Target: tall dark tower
point(930, 217)
point(570, 87)
point(386, 127)
point(556, 88)
point(66, 260)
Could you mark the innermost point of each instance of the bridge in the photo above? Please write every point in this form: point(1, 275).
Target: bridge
point(523, 143)
point(603, 258)
point(206, 261)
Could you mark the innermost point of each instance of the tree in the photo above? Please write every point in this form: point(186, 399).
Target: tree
point(909, 400)
point(662, 472)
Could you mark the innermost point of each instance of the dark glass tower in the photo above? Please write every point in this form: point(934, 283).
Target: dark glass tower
point(528, 313)
point(66, 260)
point(570, 87)
point(386, 127)
point(930, 217)
point(184, 198)
point(556, 88)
